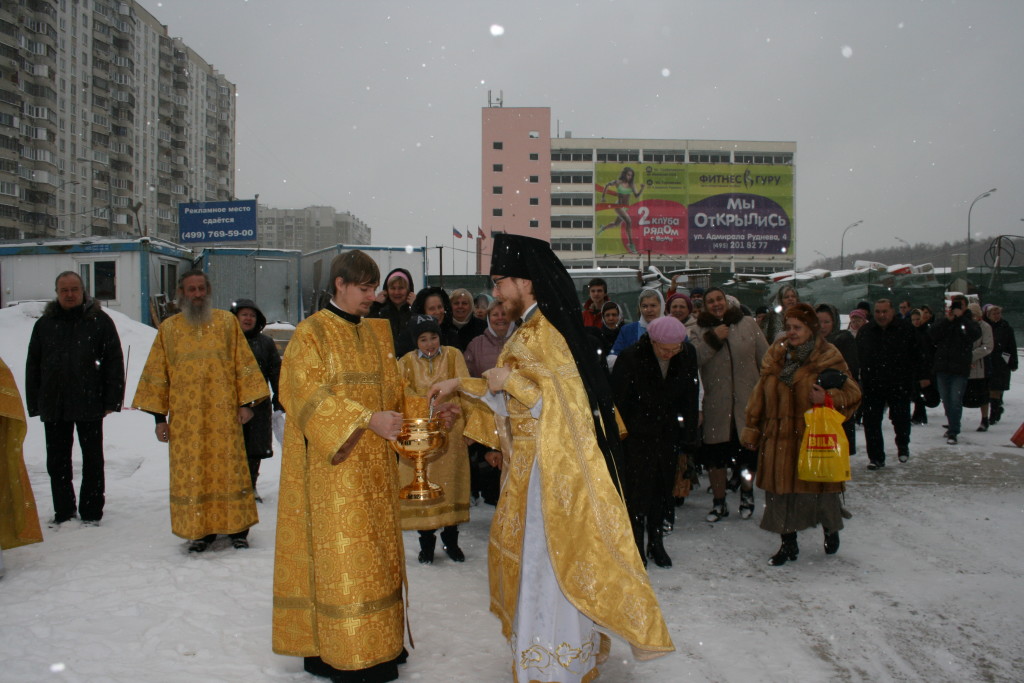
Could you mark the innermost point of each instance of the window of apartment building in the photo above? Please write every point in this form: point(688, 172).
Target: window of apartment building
point(572, 222)
point(498, 168)
point(497, 189)
point(572, 200)
point(534, 134)
point(498, 145)
point(534, 157)
point(618, 156)
point(665, 157)
point(571, 245)
point(568, 155)
point(534, 224)
point(564, 177)
point(534, 201)
point(496, 212)
point(534, 179)
point(709, 157)
point(763, 158)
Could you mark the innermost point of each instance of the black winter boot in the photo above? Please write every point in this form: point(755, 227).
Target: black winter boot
point(655, 546)
point(719, 510)
point(983, 427)
point(787, 553)
point(746, 504)
point(995, 411)
point(669, 522)
point(831, 541)
point(427, 542)
point(450, 543)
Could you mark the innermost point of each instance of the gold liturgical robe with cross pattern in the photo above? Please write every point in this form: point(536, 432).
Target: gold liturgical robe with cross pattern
point(19, 521)
point(198, 376)
point(589, 539)
point(339, 564)
point(451, 469)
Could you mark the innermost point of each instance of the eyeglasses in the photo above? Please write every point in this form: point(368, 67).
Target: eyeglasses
point(496, 280)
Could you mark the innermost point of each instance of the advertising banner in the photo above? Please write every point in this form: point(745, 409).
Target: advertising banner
point(682, 209)
point(217, 222)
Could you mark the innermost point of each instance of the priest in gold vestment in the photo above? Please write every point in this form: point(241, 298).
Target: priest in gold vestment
point(564, 569)
point(339, 564)
point(198, 382)
point(19, 521)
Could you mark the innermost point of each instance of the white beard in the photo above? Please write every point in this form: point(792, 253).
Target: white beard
point(197, 315)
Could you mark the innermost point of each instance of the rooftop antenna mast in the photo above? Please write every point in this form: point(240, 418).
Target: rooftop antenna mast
point(495, 102)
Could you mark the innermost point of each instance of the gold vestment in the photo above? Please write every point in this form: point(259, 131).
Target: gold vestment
point(199, 376)
point(19, 521)
point(339, 564)
point(451, 469)
point(589, 538)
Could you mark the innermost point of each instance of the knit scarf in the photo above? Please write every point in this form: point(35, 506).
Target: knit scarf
point(795, 357)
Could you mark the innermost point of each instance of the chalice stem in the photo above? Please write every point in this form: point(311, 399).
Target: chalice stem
point(420, 475)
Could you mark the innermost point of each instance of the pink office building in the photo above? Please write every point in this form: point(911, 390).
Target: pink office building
point(516, 174)
point(629, 202)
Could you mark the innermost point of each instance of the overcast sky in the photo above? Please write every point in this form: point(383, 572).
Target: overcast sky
point(903, 111)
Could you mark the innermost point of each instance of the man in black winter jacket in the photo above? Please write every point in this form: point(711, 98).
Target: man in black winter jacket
point(74, 377)
point(891, 371)
point(954, 336)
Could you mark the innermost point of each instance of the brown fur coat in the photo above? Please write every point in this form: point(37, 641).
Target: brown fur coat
point(775, 416)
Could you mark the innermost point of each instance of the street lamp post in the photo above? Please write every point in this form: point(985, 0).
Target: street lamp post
point(842, 243)
point(980, 196)
point(135, 209)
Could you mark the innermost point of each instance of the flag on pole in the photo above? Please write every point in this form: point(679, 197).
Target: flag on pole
point(455, 232)
point(479, 233)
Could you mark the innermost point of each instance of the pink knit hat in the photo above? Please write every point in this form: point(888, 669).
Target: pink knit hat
point(858, 313)
point(666, 330)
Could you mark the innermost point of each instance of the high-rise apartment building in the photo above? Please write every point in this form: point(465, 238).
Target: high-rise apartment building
point(106, 122)
point(308, 229)
point(613, 202)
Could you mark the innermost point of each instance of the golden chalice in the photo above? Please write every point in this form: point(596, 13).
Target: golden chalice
point(420, 440)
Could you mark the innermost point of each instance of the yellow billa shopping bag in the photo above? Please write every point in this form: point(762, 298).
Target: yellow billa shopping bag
point(824, 452)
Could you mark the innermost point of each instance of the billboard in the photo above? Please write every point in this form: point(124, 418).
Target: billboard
point(684, 209)
point(217, 221)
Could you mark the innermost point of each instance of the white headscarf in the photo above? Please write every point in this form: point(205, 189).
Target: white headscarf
point(661, 306)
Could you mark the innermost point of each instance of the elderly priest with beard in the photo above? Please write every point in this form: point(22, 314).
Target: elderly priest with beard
point(200, 382)
point(564, 569)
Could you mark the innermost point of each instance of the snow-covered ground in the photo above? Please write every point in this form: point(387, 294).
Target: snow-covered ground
point(926, 586)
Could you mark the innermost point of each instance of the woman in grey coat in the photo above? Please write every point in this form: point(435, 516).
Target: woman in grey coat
point(729, 347)
point(977, 392)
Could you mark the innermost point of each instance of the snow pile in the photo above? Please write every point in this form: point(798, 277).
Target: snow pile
point(926, 586)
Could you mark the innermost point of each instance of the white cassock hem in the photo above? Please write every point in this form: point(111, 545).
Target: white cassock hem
point(551, 639)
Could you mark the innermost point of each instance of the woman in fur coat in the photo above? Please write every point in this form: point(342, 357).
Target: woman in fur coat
point(789, 387)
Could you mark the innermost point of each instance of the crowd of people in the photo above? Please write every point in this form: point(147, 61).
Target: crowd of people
point(585, 429)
